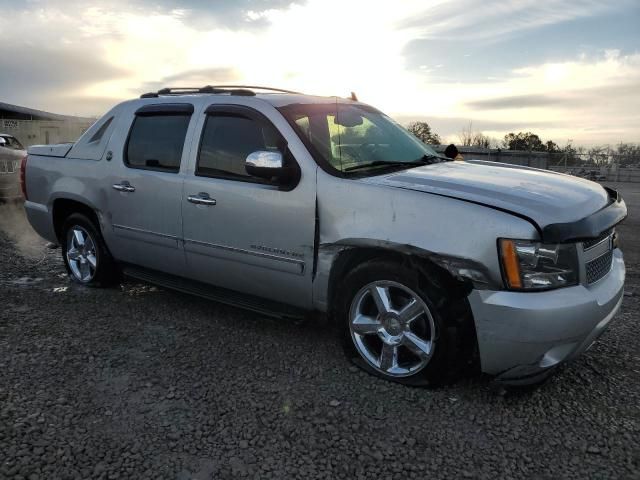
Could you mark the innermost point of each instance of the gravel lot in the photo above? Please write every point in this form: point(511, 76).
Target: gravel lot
point(139, 382)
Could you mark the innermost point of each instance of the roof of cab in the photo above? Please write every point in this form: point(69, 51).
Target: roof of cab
point(283, 99)
point(275, 96)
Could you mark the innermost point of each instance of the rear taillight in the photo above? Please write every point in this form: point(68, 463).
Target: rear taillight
point(23, 176)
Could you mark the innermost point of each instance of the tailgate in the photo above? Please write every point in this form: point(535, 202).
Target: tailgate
point(59, 150)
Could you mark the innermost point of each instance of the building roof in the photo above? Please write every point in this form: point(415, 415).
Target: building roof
point(16, 112)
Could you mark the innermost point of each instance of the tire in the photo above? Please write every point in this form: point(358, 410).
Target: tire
point(86, 257)
point(402, 325)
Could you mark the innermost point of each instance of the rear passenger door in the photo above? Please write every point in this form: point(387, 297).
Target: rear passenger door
point(144, 188)
point(254, 236)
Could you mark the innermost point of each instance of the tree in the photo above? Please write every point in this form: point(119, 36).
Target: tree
point(627, 154)
point(524, 141)
point(470, 138)
point(570, 155)
point(552, 147)
point(422, 130)
point(598, 156)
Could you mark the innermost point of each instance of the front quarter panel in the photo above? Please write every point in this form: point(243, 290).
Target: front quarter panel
point(354, 213)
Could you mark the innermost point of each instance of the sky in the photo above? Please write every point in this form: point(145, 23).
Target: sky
point(567, 70)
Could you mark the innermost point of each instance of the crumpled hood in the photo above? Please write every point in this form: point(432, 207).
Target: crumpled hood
point(542, 196)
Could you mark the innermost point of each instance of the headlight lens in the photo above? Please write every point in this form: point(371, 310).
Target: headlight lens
point(528, 265)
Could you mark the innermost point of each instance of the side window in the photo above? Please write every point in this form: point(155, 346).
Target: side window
point(227, 140)
point(156, 142)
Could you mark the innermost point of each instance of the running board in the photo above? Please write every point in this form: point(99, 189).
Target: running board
point(217, 294)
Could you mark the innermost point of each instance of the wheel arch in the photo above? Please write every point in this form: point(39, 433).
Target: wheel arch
point(457, 275)
point(63, 207)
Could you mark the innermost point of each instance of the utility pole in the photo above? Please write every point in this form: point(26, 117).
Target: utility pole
point(566, 153)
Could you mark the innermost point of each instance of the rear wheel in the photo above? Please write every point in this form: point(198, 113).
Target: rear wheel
point(84, 253)
point(396, 324)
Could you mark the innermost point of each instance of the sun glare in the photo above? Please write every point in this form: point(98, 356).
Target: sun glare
point(556, 73)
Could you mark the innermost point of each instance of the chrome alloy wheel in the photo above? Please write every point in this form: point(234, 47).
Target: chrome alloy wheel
point(392, 328)
point(81, 254)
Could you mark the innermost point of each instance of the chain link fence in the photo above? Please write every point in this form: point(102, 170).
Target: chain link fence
point(598, 166)
point(604, 166)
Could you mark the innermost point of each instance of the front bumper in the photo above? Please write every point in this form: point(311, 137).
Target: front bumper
point(523, 336)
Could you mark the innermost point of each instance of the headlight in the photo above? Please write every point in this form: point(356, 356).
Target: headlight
point(528, 265)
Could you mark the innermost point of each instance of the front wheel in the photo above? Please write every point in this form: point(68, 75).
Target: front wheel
point(396, 324)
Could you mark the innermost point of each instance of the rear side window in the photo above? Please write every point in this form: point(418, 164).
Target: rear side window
point(227, 140)
point(156, 142)
point(97, 137)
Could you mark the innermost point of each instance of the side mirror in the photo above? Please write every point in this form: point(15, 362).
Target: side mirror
point(3, 142)
point(265, 164)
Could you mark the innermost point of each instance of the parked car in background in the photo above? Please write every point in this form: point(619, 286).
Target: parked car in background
point(285, 203)
point(593, 175)
point(596, 176)
point(11, 153)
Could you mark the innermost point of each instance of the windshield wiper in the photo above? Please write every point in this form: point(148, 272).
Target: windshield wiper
point(381, 163)
point(426, 159)
point(429, 159)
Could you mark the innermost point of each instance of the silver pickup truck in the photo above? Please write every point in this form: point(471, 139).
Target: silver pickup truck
point(285, 203)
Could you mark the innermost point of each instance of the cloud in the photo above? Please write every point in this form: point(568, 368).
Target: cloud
point(86, 57)
point(599, 97)
point(449, 126)
point(201, 14)
point(43, 69)
point(516, 101)
point(194, 78)
point(588, 99)
point(230, 14)
point(46, 70)
point(492, 19)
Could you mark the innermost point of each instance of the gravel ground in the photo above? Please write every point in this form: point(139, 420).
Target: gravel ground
point(139, 382)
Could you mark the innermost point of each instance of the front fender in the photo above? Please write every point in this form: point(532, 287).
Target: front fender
point(459, 236)
point(465, 270)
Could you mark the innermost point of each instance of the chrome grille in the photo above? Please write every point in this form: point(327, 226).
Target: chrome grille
point(598, 268)
point(590, 243)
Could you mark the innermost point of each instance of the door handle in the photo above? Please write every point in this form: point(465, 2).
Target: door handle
point(201, 198)
point(124, 187)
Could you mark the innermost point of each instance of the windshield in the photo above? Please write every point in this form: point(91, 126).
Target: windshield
point(351, 137)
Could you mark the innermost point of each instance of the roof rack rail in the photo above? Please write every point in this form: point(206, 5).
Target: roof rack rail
point(256, 87)
point(241, 90)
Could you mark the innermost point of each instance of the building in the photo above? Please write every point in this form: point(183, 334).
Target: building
point(35, 127)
